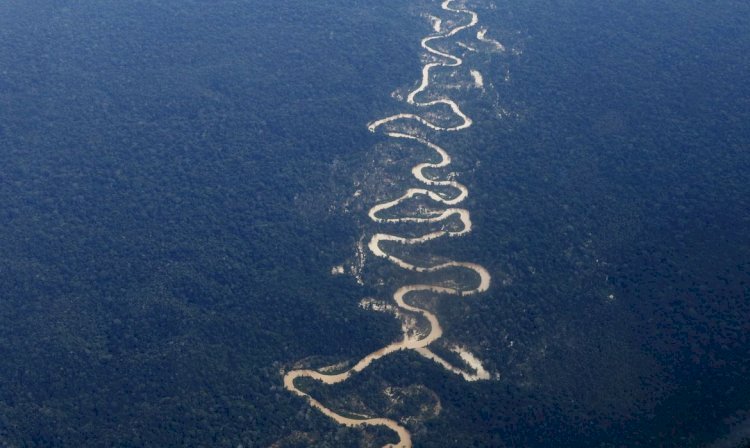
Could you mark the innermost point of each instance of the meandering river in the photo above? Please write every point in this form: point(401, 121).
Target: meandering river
point(379, 243)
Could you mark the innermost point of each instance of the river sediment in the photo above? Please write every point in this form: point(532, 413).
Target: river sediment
point(378, 243)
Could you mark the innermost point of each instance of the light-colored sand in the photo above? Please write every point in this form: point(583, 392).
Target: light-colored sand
point(413, 340)
point(437, 23)
point(482, 35)
point(467, 47)
point(478, 79)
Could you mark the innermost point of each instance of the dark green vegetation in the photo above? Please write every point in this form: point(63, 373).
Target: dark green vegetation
point(164, 234)
point(166, 173)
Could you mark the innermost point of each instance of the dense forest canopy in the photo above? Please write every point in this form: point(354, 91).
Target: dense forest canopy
point(177, 180)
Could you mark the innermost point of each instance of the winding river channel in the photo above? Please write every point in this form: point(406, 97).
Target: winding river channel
point(435, 189)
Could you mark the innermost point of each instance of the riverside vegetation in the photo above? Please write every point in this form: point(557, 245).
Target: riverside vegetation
point(175, 189)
